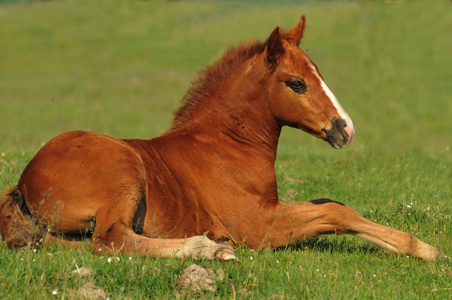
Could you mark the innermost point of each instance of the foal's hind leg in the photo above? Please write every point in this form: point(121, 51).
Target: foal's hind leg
point(113, 234)
point(117, 237)
point(295, 222)
point(120, 238)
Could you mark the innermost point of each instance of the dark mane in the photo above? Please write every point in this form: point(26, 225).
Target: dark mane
point(210, 79)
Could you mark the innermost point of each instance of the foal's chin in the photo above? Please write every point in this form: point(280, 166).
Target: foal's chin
point(339, 144)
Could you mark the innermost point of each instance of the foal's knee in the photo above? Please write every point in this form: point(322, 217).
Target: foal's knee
point(324, 201)
point(337, 215)
point(336, 208)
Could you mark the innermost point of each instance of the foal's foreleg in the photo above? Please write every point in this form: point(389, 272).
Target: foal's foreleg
point(296, 222)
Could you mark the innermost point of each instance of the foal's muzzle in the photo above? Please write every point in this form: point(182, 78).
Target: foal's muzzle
point(340, 134)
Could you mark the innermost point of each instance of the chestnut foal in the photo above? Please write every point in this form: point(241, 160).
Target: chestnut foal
point(211, 177)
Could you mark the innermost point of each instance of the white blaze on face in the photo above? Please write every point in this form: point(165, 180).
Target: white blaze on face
point(349, 129)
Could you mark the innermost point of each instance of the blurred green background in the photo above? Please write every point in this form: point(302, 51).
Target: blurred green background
point(122, 67)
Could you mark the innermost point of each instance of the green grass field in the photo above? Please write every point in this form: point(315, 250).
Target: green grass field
point(122, 67)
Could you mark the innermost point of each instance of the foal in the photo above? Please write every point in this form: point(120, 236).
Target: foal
point(211, 177)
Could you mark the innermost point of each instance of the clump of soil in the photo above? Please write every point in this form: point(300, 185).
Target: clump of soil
point(197, 278)
point(89, 291)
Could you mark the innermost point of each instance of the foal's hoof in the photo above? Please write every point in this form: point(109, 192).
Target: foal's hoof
point(427, 252)
point(226, 253)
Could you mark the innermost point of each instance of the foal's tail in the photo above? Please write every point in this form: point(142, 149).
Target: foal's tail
point(16, 226)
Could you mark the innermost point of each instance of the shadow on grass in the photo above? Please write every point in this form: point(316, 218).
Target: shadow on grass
point(329, 245)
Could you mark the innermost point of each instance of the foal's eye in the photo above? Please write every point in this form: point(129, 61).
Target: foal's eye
point(298, 86)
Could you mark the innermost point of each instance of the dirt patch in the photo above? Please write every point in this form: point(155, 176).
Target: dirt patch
point(197, 278)
point(89, 291)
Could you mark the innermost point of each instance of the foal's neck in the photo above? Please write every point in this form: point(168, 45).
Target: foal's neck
point(238, 112)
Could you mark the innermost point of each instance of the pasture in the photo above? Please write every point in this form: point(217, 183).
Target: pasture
point(122, 67)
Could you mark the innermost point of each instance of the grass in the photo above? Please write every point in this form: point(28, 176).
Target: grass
point(122, 68)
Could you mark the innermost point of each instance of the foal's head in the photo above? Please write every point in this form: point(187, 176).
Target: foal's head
point(298, 96)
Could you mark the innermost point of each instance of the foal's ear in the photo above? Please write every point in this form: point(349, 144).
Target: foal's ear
point(295, 33)
point(274, 48)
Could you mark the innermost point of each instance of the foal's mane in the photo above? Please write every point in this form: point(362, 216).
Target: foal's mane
point(212, 77)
